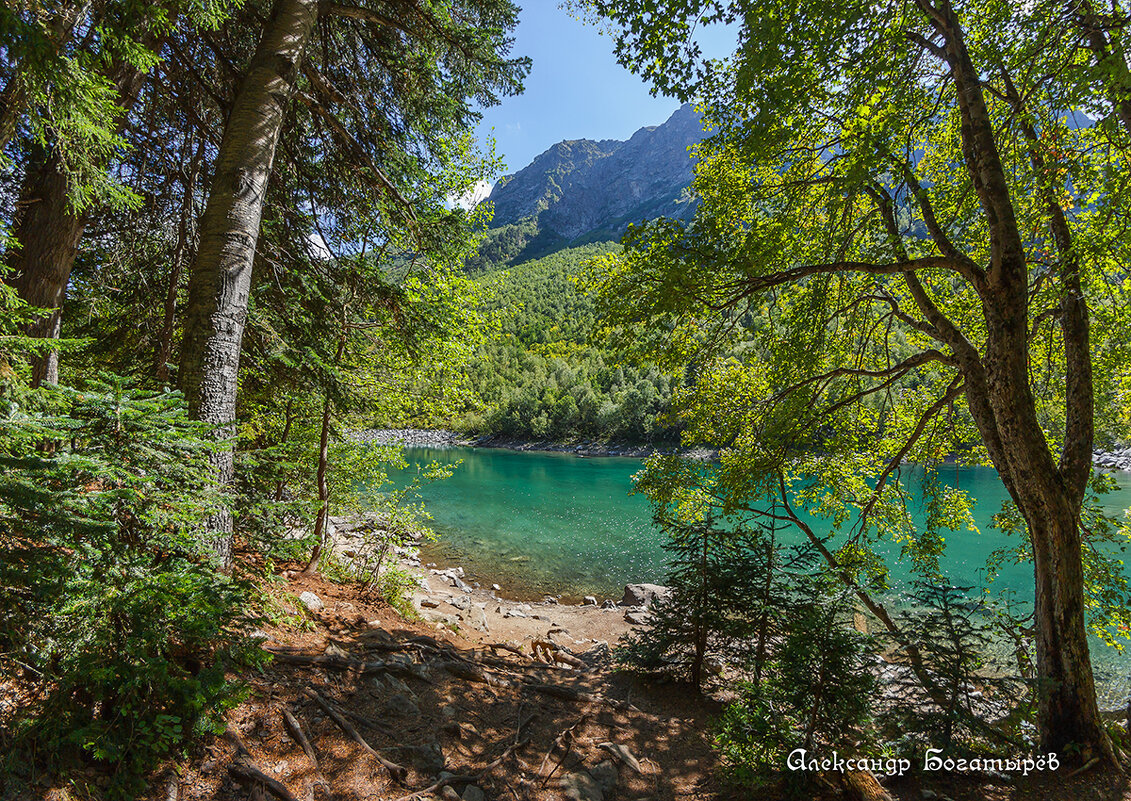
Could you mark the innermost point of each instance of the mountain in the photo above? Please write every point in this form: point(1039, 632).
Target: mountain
point(583, 190)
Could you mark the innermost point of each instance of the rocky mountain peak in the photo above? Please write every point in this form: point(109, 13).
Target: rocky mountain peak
point(587, 190)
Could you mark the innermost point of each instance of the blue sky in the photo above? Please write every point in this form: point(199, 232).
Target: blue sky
point(575, 90)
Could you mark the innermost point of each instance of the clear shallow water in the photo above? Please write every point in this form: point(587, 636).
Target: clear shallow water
point(554, 523)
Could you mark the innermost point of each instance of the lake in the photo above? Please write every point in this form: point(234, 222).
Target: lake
point(553, 523)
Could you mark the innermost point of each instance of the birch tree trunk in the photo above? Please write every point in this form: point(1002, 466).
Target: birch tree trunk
point(229, 229)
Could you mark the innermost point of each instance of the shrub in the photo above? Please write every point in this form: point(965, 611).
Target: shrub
point(115, 624)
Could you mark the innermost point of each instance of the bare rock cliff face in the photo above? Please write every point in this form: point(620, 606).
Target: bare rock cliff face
point(586, 190)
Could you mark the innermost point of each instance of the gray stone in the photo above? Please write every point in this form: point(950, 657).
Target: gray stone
point(608, 604)
point(514, 613)
point(473, 793)
point(311, 601)
point(401, 704)
point(429, 603)
point(459, 601)
point(477, 617)
point(590, 601)
point(496, 587)
point(605, 774)
point(580, 786)
point(640, 618)
point(644, 594)
point(449, 793)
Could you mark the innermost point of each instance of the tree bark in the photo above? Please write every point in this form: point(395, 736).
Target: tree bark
point(323, 489)
point(229, 229)
point(48, 235)
point(182, 249)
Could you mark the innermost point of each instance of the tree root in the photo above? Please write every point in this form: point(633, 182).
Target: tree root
point(294, 728)
point(396, 772)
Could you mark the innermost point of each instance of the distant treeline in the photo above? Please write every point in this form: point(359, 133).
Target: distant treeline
point(543, 376)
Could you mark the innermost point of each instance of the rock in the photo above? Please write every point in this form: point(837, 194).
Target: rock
point(549, 599)
point(579, 186)
point(423, 582)
point(260, 635)
point(589, 600)
point(644, 594)
point(477, 617)
point(311, 601)
point(624, 755)
point(401, 704)
point(605, 774)
point(460, 602)
point(473, 793)
point(608, 604)
point(928, 795)
point(580, 786)
point(429, 603)
point(514, 613)
point(336, 651)
point(714, 665)
point(640, 618)
point(496, 587)
point(441, 619)
point(449, 793)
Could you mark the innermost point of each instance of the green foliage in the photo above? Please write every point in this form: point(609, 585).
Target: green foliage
point(985, 698)
point(123, 629)
point(541, 378)
point(726, 597)
point(817, 689)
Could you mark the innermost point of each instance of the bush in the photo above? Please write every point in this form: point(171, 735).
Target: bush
point(112, 621)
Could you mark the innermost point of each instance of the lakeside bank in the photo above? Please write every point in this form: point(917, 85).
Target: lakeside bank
point(1118, 458)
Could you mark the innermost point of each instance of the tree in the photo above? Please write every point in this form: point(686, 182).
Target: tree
point(421, 66)
point(74, 95)
point(896, 192)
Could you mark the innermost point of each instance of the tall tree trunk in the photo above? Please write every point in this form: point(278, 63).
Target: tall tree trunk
point(1001, 402)
point(182, 249)
point(48, 232)
point(48, 235)
point(323, 489)
point(229, 229)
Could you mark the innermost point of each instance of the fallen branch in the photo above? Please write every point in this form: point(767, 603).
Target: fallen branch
point(340, 663)
point(247, 772)
point(294, 728)
point(563, 741)
point(469, 671)
point(396, 772)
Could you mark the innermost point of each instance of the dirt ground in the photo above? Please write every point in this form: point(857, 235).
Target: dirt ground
point(452, 717)
point(431, 701)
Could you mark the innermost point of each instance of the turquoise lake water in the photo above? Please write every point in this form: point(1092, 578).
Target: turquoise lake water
point(554, 523)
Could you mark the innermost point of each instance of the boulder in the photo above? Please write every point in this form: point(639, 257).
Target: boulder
point(644, 594)
point(473, 793)
point(605, 773)
point(589, 601)
point(477, 617)
point(580, 786)
point(311, 601)
point(401, 704)
point(638, 618)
